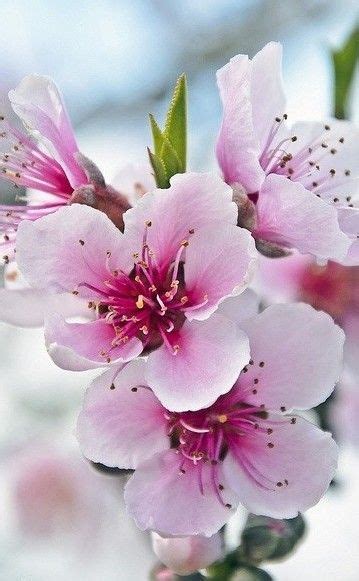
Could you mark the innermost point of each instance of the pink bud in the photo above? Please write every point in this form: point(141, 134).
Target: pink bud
point(184, 555)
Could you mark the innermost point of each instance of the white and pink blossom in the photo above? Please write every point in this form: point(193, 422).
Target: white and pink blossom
point(297, 187)
point(185, 555)
point(44, 160)
point(192, 469)
point(152, 290)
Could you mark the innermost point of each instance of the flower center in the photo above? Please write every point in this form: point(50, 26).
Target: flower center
point(328, 288)
point(149, 302)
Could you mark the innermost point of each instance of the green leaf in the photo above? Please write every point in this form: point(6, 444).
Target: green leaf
point(170, 159)
point(159, 170)
point(344, 63)
point(176, 121)
point(157, 135)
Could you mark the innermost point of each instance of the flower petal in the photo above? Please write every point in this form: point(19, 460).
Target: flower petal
point(185, 555)
point(238, 149)
point(122, 423)
point(267, 95)
point(134, 181)
point(219, 263)
point(27, 307)
point(210, 356)
point(162, 498)
point(289, 215)
point(194, 200)
point(69, 247)
point(290, 476)
point(80, 346)
point(38, 102)
point(241, 307)
point(349, 223)
point(297, 357)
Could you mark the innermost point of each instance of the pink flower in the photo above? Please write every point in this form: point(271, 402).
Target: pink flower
point(49, 166)
point(332, 288)
point(296, 187)
point(153, 289)
point(49, 162)
point(184, 555)
point(24, 306)
point(193, 468)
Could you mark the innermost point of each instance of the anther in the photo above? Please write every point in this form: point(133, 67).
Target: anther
point(228, 505)
point(279, 484)
point(324, 145)
point(282, 408)
point(148, 223)
point(112, 386)
point(332, 172)
point(222, 418)
point(326, 127)
point(347, 172)
point(270, 445)
point(134, 389)
point(81, 242)
point(294, 138)
point(139, 302)
point(341, 140)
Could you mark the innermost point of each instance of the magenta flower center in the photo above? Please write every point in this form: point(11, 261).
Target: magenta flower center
point(149, 303)
point(24, 164)
point(229, 425)
point(330, 288)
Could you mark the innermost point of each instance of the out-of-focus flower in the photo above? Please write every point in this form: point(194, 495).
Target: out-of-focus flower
point(153, 289)
point(295, 187)
point(332, 288)
point(134, 181)
point(193, 468)
point(184, 555)
point(61, 519)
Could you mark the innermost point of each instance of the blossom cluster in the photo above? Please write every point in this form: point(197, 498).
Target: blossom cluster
point(202, 391)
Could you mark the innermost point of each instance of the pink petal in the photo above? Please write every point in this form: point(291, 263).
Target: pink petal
point(185, 555)
point(122, 423)
point(38, 102)
point(344, 410)
point(219, 269)
point(133, 181)
point(80, 346)
point(69, 247)
point(161, 498)
point(297, 357)
point(241, 307)
point(334, 149)
point(27, 307)
point(289, 215)
point(280, 280)
point(210, 356)
point(302, 455)
point(238, 149)
point(267, 95)
point(194, 200)
point(349, 223)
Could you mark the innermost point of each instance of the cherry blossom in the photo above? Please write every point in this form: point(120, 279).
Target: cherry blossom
point(296, 187)
point(193, 468)
point(152, 290)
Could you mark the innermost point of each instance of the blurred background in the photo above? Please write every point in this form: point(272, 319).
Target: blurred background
point(116, 60)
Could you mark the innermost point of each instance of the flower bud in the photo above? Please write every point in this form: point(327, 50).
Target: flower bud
point(266, 539)
point(184, 555)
